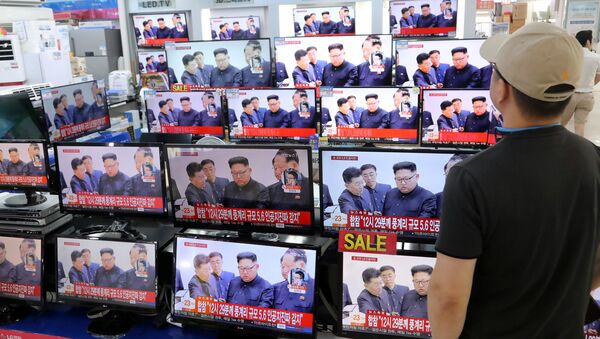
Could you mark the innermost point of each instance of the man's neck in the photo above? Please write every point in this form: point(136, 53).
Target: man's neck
point(518, 122)
point(372, 186)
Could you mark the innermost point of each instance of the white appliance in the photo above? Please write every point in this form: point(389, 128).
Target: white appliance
point(12, 70)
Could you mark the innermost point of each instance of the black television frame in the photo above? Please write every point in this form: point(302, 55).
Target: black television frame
point(236, 17)
point(257, 330)
point(247, 227)
point(37, 114)
point(44, 145)
point(426, 239)
point(187, 14)
point(106, 305)
point(446, 36)
point(160, 160)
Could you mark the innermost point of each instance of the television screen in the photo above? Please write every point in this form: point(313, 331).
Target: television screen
point(73, 111)
point(430, 64)
point(338, 61)
point(386, 294)
point(197, 113)
point(153, 30)
point(28, 124)
point(592, 329)
point(21, 268)
point(313, 21)
point(459, 117)
point(120, 273)
point(272, 113)
point(23, 165)
point(241, 186)
point(121, 179)
point(387, 190)
point(235, 63)
point(269, 285)
point(388, 115)
point(423, 17)
point(152, 62)
point(235, 28)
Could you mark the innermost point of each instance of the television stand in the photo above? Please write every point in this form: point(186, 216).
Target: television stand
point(29, 198)
point(10, 314)
point(265, 236)
point(110, 323)
point(119, 229)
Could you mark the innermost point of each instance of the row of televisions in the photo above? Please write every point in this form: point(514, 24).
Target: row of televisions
point(439, 19)
point(261, 286)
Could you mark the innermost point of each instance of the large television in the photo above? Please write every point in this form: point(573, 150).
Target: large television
point(234, 187)
point(458, 117)
point(115, 179)
point(384, 190)
point(361, 60)
point(235, 28)
point(592, 329)
point(154, 29)
point(246, 285)
point(27, 124)
point(385, 114)
point(423, 18)
point(196, 113)
point(475, 70)
point(330, 20)
point(385, 295)
point(75, 110)
point(272, 114)
point(234, 63)
point(21, 269)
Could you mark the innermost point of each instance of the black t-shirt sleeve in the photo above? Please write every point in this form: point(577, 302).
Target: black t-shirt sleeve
point(461, 227)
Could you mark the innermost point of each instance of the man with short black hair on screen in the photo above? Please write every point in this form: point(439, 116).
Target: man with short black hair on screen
point(447, 121)
point(461, 74)
point(309, 28)
point(217, 184)
point(327, 26)
point(406, 20)
point(35, 167)
point(355, 110)
point(89, 266)
point(447, 18)
point(394, 291)
point(408, 199)
point(164, 116)
point(372, 297)
point(479, 120)
point(374, 116)
point(405, 116)
point(179, 31)
point(424, 76)
point(224, 74)
point(172, 109)
point(80, 182)
point(439, 197)
point(141, 276)
point(438, 67)
point(493, 242)
point(303, 115)
point(346, 25)
point(61, 116)
point(243, 191)
point(142, 184)
point(260, 111)
point(275, 117)
point(257, 73)
point(426, 19)
point(344, 116)
point(109, 273)
point(249, 117)
point(113, 181)
point(196, 191)
point(252, 32)
point(369, 74)
point(249, 288)
point(81, 109)
point(188, 116)
point(201, 284)
point(190, 75)
point(220, 277)
point(460, 114)
point(238, 33)
point(28, 272)
point(414, 302)
point(286, 299)
point(77, 273)
point(339, 72)
point(7, 269)
point(355, 197)
point(376, 190)
point(317, 65)
point(303, 73)
point(211, 114)
point(163, 32)
point(204, 71)
point(93, 175)
point(15, 166)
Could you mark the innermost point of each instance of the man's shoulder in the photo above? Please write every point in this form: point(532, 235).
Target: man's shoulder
point(384, 186)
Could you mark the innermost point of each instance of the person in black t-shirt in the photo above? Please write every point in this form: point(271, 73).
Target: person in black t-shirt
point(520, 222)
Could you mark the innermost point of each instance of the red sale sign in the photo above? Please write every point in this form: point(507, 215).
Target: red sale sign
point(367, 242)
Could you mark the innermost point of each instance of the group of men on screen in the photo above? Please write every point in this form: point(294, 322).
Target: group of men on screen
point(410, 19)
point(381, 293)
point(249, 288)
point(237, 33)
point(141, 276)
point(28, 271)
point(154, 66)
point(455, 119)
point(376, 70)
point(364, 193)
point(15, 166)
point(432, 73)
point(145, 183)
point(178, 30)
point(326, 26)
point(256, 73)
point(186, 115)
point(245, 192)
point(301, 115)
point(67, 115)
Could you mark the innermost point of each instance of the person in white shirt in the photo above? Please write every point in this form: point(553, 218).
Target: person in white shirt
point(582, 102)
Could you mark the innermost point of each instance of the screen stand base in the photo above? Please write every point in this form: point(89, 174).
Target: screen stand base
point(119, 229)
point(113, 324)
point(12, 314)
point(223, 234)
point(265, 236)
point(25, 200)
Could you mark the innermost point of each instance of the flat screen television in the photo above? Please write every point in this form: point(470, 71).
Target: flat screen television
point(242, 188)
point(384, 190)
point(154, 29)
point(423, 18)
point(29, 123)
point(329, 20)
point(21, 269)
point(272, 114)
point(235, 28)
point(246, 285)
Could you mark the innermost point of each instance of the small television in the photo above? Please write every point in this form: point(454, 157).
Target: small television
point(21, 270)
point(475, 70)
point(76, 110)
point(238, 188)
point(423, 18)
point(272, 114)
point(233, 63)
point(29, 123)
point(383, 114)
point(196, 113)
point(391, 190)
point(399, 283)
point(235, 28)
point(331, 20)
point(212, 275)
point(334, 61)
point(114, 179)
point(154, 30)
point(455, 117)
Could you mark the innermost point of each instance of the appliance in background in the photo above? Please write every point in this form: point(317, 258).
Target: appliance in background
point(12, 71)
point(101, 49)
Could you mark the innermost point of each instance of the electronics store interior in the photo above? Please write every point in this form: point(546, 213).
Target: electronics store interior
point(145, 191)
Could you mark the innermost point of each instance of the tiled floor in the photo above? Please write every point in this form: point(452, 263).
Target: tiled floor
point(592, 128)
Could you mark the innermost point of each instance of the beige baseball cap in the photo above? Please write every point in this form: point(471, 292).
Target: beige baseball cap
point(535, 58)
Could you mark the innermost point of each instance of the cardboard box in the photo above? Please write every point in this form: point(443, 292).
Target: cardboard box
point(506, 18)
point(515, 25)
point(78, 66)
point(519, 11)
point(498, 19)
